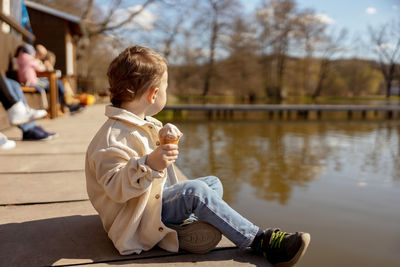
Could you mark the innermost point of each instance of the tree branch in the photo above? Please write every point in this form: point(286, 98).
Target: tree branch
point(104, 26)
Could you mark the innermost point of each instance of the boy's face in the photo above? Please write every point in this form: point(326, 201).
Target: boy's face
point(161, 97)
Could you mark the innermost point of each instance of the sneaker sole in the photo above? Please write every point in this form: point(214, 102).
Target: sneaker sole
point(48, 138)
point(305, 238)
point(197, 237)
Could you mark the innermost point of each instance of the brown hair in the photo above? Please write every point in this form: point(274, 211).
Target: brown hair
point(133, 72)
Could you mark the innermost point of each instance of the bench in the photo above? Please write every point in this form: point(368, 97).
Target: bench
point(49, 102)
point(37, 100)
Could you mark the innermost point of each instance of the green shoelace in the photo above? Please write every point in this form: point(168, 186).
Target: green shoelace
point(276, 239)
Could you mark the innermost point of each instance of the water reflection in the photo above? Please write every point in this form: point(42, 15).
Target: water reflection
point(274, 157)
point(329, 178)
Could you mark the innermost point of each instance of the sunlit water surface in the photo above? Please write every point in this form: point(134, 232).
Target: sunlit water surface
point(338, 180)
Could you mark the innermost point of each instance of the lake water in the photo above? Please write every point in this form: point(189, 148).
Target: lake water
point(338, 180)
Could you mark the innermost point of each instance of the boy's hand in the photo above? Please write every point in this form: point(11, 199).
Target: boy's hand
point(162, 157)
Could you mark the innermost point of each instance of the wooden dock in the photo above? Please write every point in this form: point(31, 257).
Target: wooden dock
point(46, 218)
point(292, 111)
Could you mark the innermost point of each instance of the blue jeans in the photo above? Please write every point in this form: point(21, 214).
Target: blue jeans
point(203, 197)
point(16, 92)
point(43, 83)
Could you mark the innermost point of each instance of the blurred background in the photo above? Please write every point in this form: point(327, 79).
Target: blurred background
point(335, 176)
point(255, 51)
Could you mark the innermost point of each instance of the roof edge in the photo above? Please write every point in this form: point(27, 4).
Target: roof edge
point(54, 12)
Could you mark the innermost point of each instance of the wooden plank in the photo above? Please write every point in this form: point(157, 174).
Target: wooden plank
point(16, 26)
point(40, 235)
point(63, 233)
point(54, 146)
point(42, 187)
point(27, 89)
point(41, 163)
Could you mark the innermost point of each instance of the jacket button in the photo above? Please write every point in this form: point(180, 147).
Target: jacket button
point(157, 196)
point(157, 143)
point(160, 229)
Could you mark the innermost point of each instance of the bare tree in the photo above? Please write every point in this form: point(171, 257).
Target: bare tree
point(330, 46)
point(309, 32)
point(172, 23)
point(276, 19)
point(94, 25)
point(215, 16)
point(94, 20)
point(386, 43)
point(241, 67)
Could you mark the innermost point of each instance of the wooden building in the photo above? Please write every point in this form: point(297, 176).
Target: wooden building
point(58, 32)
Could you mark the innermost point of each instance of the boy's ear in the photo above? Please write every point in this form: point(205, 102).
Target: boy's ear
point(151, 97)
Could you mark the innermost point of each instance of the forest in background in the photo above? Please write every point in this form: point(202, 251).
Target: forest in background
point(216, 47)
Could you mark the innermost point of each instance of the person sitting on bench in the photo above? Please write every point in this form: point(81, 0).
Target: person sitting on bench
point(27, 68)
point(19, 113)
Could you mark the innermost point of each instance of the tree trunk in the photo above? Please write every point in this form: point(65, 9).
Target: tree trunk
point(323, 71)
point(388, 87)
point(280, 73)
point(210, 65)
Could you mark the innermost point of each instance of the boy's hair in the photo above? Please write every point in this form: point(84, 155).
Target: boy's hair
point(136, 70)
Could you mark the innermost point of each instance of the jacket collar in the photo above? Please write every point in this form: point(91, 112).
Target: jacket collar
point(126, 116)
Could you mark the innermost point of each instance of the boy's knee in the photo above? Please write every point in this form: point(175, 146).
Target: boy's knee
point(195, 188)
point(216, 180)
point(216, 184)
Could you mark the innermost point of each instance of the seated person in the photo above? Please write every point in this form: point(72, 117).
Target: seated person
point(8, 101)
point(28, 65)
point(46, 57)
point(6, 144)
point(19, 113)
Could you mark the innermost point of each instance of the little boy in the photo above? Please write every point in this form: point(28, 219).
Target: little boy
point(130, 179)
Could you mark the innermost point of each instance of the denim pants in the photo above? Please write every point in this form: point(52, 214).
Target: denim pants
point(16, 92)
point(43, 83)
point(203, 198)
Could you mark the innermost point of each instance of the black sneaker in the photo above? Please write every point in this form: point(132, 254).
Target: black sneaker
point(196, 236)
point(50, 134)
point(281, 248)
point(37, 133)
point(75, 108)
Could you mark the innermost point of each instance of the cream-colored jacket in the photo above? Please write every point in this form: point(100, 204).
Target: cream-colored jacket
point(125, 191)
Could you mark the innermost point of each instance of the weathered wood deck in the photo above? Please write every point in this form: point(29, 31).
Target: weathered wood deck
point(46, 218)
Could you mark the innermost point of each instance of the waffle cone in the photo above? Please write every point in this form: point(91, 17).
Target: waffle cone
point(164, 141)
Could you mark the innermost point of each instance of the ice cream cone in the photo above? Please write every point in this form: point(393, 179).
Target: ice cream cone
point(164, 141)
point(169, 134)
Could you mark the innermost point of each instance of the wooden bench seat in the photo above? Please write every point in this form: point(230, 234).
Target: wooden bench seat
point(40, 100)
point(27, 89)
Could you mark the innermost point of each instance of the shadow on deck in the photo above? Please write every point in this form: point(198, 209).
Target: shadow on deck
point(46, 219)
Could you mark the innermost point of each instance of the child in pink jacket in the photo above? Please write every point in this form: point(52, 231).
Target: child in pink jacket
point(28, 66)
point(133, 187)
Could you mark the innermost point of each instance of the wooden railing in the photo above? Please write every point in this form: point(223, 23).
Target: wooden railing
point(16, 26)
point(53, 92)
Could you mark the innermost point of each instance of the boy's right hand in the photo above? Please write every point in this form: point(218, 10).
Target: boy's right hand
point(162, 157)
